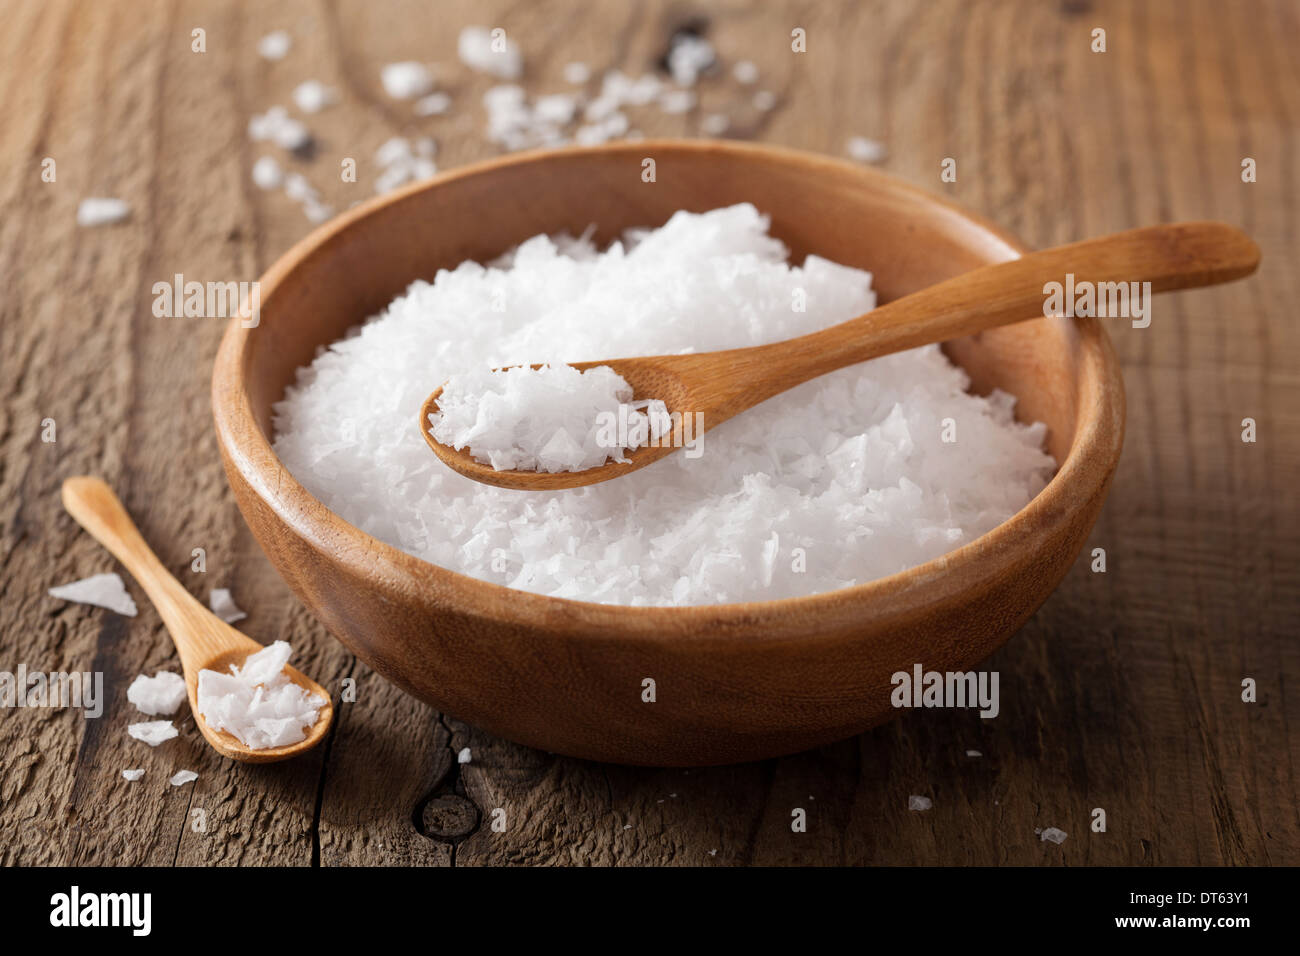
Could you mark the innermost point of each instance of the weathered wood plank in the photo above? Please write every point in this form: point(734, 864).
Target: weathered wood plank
point(1123, 692)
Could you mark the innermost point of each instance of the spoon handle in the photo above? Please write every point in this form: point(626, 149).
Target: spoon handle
point(1176, 256)
point(94, 506)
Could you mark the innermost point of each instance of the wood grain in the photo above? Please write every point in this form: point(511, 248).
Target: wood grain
point(1123, 692)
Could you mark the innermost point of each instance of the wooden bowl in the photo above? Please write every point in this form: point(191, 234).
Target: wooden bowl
point(732, 682)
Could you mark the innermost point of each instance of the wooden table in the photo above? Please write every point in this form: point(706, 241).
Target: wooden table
point(1124, 691)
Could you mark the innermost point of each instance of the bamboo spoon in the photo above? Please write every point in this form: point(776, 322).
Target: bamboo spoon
point(723, 384)
point(203, 640)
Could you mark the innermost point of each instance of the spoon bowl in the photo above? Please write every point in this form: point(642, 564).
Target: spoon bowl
point(227, 744)
point(652, 377)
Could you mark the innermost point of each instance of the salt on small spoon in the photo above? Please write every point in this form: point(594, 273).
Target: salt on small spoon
point(203, 640)
point(715, 386)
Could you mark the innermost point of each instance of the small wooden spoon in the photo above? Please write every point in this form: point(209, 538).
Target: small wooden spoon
point(723, 384)
point(203, 640)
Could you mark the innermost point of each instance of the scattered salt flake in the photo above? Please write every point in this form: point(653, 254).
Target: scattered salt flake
point(917, 802)
point(1052, 834)
point(317, 212)
point(713, 853)
point(393, 150)
point(161, 694)
point(463, 756)
point(267, 173)
point(101, 590)
point(973, 753)
point(297, 188)
point(275, 45)
point(690, 56)
point(152, 732)
point(133, 775)
point(490, 51)
point(101, 211)
point(406, 80)
point(714, 124)
point(258, 703)
point(278, 127)
point(576, 73)
point(223, 605)
point(182, 777)
point(764, 100)
point(435, 104)
point(312, 96)
point(745, 71)
point(677, 101)
point(865, 150)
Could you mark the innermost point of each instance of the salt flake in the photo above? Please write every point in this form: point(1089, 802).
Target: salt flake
point(152, 732)
point(223, 605)
point(101, 590)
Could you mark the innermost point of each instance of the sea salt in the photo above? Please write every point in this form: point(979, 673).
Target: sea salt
point(406, 80)
point(464, 756)
point(133, 775)
point(182, 777)
point(312, 96)
point(160, 694)
point(101, 590)
point(297, 188)
point(714, 124)
point(576, 73)
point(152, 732)
point(917, 802)
point(402, 162)
point(275, 45)
point(278, 127)
point(480, 50)
point(101, 211)
point(1052, 834)
point(764, 100)
point(435, 104)
point(690, 56)
point(865, 150)
point(222, 604)
point(677, 101)
point(554, 418)
point(258, 703)
point(841, 480)
point(267, 173)
point(745, 71)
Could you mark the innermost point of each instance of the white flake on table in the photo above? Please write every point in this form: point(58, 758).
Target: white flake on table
point(223, 605)
point(101, 211)
point(152, 732)
point(101, 590)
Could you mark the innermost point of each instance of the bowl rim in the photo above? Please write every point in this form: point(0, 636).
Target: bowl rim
point(1084, 473)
